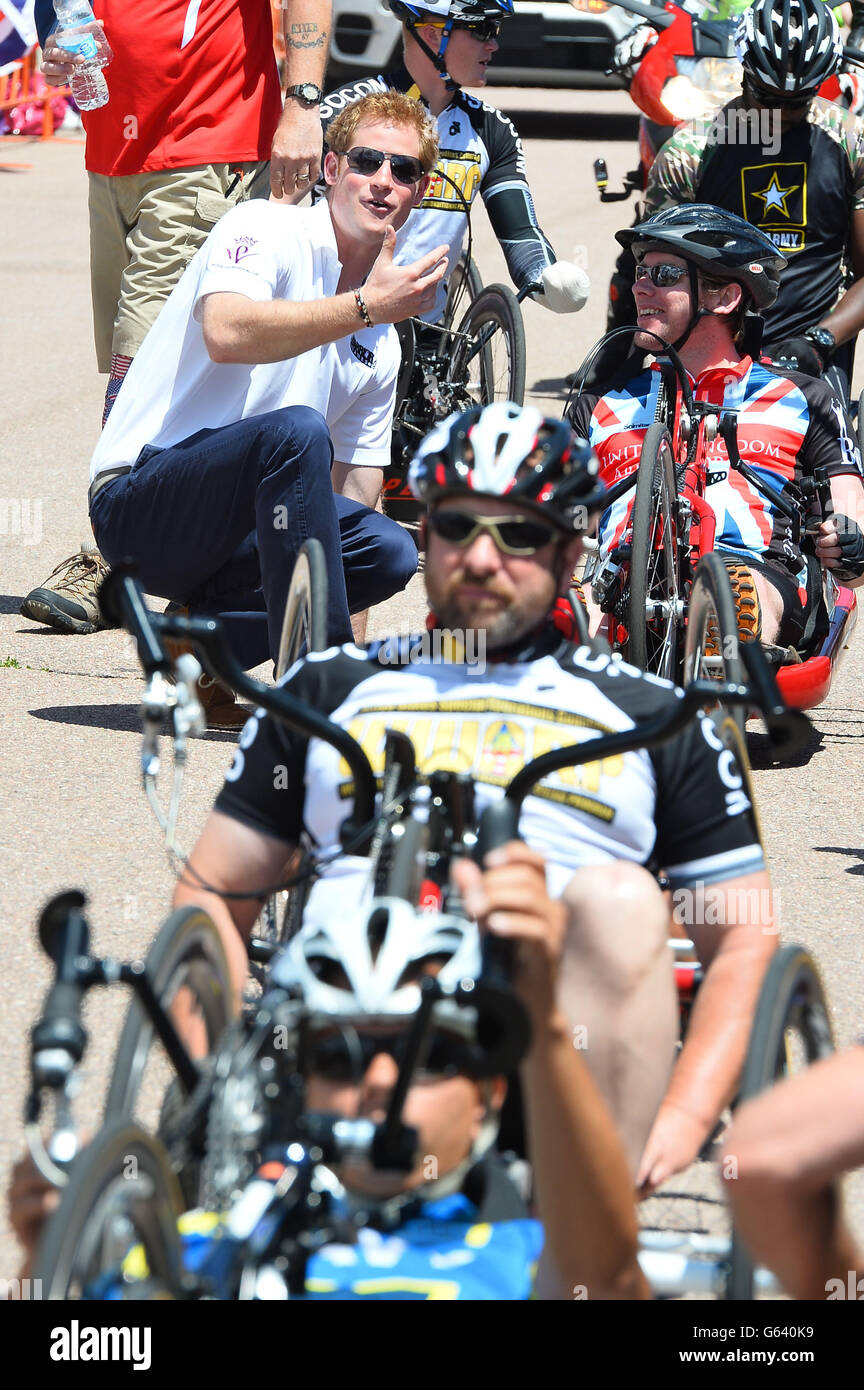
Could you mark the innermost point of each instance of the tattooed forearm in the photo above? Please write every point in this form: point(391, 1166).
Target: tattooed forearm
point(305, 36)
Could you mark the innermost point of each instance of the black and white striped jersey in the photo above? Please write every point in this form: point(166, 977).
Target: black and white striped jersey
point(682, 808)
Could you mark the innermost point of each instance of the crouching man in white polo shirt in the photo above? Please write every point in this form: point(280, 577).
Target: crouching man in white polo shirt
point(269, 364)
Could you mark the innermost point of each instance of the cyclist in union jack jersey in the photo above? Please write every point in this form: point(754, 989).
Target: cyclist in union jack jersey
point(699, 271)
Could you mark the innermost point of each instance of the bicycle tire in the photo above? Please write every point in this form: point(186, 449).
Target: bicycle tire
point(497, 372)
point(653, 641)
point(712, 620)
point(305, 620)
point(792, 999)
point(121, 1193)
point(187, 952)
point(465, 279)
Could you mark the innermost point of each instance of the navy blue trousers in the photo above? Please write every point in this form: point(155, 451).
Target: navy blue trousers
point(216, 522)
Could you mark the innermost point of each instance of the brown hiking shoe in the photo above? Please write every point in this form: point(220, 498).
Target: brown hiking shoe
point(221, 707)
point(68, 599)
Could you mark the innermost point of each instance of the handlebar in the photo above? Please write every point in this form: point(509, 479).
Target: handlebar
point(122, 599)
point(660, 18)
point(788, 729)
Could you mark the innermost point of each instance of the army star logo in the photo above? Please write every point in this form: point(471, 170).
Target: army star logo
point(773, 196)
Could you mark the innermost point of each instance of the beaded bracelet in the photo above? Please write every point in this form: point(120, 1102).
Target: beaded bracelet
point(361, 308)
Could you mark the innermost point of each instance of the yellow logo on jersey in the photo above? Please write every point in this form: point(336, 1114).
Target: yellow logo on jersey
point(454, 182)
point(447, 739)
point(774, 199)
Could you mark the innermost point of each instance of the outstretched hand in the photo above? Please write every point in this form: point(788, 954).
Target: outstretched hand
point(674, 1143)
point(396, 292)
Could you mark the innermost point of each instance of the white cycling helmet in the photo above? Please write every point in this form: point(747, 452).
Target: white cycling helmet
point(375, 950)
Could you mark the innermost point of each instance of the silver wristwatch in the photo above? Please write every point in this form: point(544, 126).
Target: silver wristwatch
point(307, 93)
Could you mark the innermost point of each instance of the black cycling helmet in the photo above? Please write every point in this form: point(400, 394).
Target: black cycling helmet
point(789, 46)
point(514, 452)
point(452, 12)
point(723, 245)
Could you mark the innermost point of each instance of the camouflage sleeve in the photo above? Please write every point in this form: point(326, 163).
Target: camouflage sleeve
point(674, 176)
point(848, 131)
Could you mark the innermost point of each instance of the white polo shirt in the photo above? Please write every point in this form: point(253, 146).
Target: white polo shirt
point(173, 388)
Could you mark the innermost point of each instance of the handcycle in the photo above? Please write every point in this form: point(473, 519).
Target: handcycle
point(675, 606)
point(241, 1139)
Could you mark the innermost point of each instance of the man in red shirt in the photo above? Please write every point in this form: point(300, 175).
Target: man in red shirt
point(194, 114)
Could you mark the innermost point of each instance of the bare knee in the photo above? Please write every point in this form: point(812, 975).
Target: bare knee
point(618, 923)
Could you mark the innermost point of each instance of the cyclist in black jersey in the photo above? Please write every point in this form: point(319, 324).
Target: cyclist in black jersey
point(447, 45)
point(508, 495)
point(790, 162)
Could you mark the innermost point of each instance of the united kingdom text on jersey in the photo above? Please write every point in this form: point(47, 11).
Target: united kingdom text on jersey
point(788, 425)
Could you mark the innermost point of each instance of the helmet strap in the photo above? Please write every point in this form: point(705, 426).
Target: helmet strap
point(698, 313)
point(436, 58)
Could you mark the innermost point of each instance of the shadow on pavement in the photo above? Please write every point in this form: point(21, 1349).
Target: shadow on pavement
point(10, 604)
point(576, 125)
point(117, 718)
point(550, 386)
point(849, 853)
point(763, 758)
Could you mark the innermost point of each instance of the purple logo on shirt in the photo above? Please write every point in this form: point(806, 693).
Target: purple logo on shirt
point(242, 247)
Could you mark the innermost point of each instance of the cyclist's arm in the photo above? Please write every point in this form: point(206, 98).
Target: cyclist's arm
point(847, 495)
point(735, 954)
point(582, 1179)
point(708, 843)
point(846, 319)
point(783, 1155)
point(831, 443)
point(674, 175)
point(508, 201)
point(231, 858)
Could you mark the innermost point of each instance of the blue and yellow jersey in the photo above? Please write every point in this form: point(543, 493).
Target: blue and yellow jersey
point(444, 1253)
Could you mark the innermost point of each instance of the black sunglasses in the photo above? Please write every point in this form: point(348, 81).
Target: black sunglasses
point(661, 275)
point(482, 29)
point(516, 535)
point(346, 1055)
point(404, 167)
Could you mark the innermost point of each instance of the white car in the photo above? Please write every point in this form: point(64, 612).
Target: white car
point(544, 43)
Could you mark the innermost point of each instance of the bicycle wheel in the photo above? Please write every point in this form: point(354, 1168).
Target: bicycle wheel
point(121, 1197)
point(655, 611)
point(188, 970)
point(711, 640)
point(305, 623)
point(463, 287)
point(482, 368)
point(791, 1030)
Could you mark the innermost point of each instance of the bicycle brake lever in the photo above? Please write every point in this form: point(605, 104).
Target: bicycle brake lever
point(187, 713)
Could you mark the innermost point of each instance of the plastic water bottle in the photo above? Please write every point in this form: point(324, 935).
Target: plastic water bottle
point(78, 32)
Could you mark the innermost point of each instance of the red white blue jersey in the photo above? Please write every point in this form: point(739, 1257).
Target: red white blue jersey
point(788, 425)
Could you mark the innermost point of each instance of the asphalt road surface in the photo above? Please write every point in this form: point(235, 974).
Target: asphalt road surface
point(73, 812)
